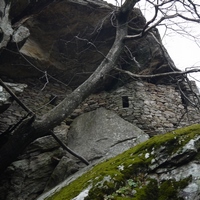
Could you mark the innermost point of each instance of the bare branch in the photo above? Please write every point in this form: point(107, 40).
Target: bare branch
point(194, 8)
point(188, 18)
point(144, 31)
point(153, 19)
point(47, 80)
point(68, 149)
point(156, 75)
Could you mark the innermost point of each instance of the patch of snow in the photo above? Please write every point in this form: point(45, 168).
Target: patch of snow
point(191, 145)
point(147, 155)
point(193, 187)
point(83, 194)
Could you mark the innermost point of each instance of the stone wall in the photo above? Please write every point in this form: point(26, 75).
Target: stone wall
point(153, 108)
point(38, 97)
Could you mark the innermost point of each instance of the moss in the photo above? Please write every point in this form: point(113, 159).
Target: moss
point(150, 191)
point(169, 189)
point(128, 165)
point(123, 198)
point(173, 140)
point(166, 190)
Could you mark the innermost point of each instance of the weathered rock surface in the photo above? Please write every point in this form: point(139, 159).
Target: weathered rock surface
point(155, 109)
point(163, 167)
point(68, 39)
point(5, 98)
point(5, 24)
point(10, 35)
point(103, 133)
point(27, 177)
point(94, 135)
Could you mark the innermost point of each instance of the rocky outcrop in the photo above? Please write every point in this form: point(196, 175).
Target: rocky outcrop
point(71, 46)
point(163, 167)
point(8, 34)
point(64, 41)
point(27, 177)
point(93, 135)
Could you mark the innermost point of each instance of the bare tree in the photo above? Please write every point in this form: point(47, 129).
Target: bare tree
point(33, 127)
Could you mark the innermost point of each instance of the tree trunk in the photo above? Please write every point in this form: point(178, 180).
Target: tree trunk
point(21, 138)
point(30, 131)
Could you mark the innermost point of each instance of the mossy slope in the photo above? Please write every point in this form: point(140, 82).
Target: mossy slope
point(126, 175)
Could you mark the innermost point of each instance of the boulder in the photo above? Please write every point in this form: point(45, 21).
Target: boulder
point(101, 133)
point(163, 167)
point(69, 46)
point(29, 176)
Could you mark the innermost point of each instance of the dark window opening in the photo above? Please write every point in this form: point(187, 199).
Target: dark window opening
point(125, 102)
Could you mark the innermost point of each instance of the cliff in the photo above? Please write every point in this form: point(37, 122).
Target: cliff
point(51, 47)
point(68, 39)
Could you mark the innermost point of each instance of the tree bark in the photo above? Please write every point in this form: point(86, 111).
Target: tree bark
point(30, 131)
point(23, 135)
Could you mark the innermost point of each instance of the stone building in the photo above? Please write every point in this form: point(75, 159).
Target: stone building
point(153, 108)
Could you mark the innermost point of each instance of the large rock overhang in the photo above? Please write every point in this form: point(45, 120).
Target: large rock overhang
point(69, 39)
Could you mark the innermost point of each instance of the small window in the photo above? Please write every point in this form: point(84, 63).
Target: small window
point(125, 102)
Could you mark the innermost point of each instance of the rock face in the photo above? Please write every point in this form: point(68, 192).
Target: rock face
point(103, 133)
point(5, 97)
point(64, 41)
point(5, 28)
point(27, 177)
point(9, 34)
point(163, 167)
point(93, 135)
point(68, 39)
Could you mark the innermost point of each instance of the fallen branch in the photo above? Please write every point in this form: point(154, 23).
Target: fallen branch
point(68, 149)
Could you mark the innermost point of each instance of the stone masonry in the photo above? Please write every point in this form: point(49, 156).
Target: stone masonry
point(153, 108)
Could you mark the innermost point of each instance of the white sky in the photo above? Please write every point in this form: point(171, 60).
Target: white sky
point(184, 52)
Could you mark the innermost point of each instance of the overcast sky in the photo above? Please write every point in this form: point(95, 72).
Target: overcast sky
point(184, 52)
